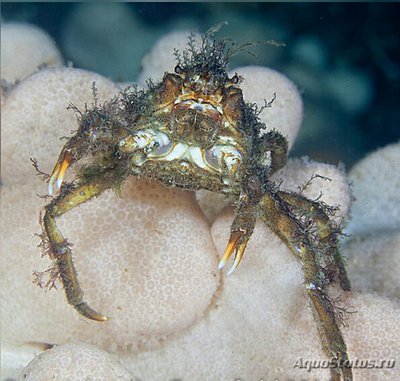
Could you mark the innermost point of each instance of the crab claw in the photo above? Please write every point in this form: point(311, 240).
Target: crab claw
point(238, 257)
point(234, 246)
point(57, 176)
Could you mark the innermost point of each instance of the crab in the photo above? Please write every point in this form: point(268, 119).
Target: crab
point(194, 131)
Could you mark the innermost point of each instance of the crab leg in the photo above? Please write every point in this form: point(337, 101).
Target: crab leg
point(234, 247)
point(274, 212)
point(76, 147)
point(277, 145)
point(325, 231)
point(241, 231)
point(60, 249)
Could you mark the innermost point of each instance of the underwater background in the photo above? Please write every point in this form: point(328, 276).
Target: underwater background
point(344, 57)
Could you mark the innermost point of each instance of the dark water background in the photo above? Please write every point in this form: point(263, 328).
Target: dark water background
point(344, 57)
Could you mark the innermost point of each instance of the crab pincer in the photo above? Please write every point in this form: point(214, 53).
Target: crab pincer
point(57, 175)
point(237, 244)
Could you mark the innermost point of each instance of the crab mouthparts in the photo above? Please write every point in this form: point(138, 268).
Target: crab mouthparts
point(201, 106)
point(57, 176)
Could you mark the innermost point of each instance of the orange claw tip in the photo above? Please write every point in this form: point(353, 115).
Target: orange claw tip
point(90, 313)
point(230, 248)
point(57, 176)
point(53, 178)
point(96, 316)
point(238, 258)
point(103, 318)
point(64, 166)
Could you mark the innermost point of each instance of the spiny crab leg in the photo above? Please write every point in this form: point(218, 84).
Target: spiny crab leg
point(57, 176)
point(234, 246)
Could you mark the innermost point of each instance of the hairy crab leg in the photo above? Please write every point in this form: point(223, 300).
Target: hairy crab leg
point(275, 143)
point(273, 210)
point(327, 233)
point(60, 249)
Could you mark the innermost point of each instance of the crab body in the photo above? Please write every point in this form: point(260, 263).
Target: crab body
point(194, 131)
point(191, 139)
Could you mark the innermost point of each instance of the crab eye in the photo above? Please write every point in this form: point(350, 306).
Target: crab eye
point(178, 69)
point(235, 79)
point(195, 78)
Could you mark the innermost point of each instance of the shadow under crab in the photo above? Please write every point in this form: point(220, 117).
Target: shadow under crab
point(194, 131)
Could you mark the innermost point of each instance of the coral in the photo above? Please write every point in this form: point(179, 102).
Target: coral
point(24, 48)
point(376, 191)
point(161, 57)
point(320, 181)
point(259, 85)
point(76, 362)
point(374, 262)
point(35, 115)
point(148, 260)
point(261, 328)
point(374, 246)
point(157, 257)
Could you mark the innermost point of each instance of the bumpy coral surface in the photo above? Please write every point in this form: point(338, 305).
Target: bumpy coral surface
point(376, 184)
point(262, 326)
point(24, 48)
point(36, 116)
point(76, 362)
point(374, 261)
point(154, 272)
point(373, 249)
